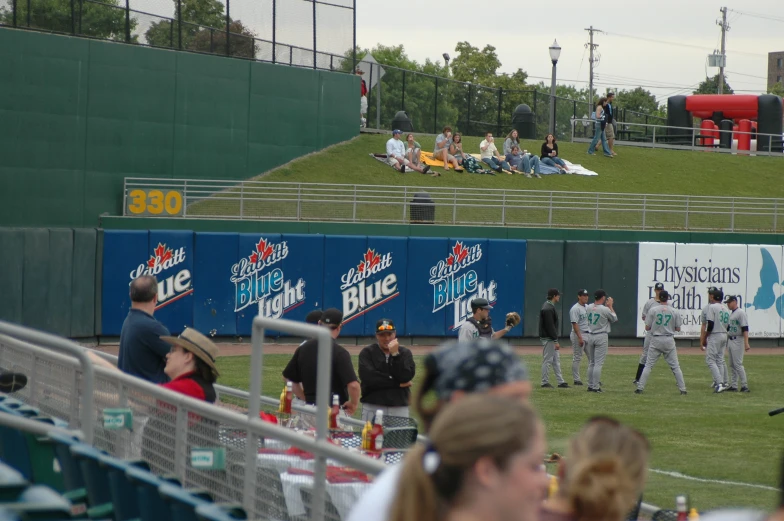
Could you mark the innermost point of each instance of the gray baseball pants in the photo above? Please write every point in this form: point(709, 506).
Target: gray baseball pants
point(736, 350)
point(578, 351)
point(550, 357)
point(662, 346)
point(714, 357)
point(596, 349)
point(646, 344)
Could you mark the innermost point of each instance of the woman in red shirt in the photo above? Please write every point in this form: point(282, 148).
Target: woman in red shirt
point(191, 365)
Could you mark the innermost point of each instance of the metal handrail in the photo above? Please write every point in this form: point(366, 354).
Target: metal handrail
point(60, 344)
point(35, 427)
point(263, 200)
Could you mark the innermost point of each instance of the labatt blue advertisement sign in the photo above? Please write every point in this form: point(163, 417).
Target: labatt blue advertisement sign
point(218, 282)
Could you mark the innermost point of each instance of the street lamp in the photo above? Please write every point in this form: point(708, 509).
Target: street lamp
point(555, 53)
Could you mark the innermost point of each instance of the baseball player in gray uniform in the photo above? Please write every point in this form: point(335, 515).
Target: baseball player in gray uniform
point(661, 324)
point(657, 288)
point(713, 337)
point(599, 318)
point(548, 335)
point(738, 343)
point(579, 333)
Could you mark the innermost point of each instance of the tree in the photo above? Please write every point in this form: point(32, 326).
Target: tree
point(104, 20)
point(203, 29)
point(777, 89)
point(711, 86)
point(475, 66)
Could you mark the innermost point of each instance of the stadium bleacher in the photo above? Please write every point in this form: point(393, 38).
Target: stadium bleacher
point(84, 482)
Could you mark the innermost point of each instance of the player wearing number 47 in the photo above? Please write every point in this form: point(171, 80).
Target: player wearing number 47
point(661, 323)
point(713, 337)
point(599, 318)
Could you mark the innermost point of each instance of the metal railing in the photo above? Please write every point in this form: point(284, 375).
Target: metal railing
point(278, 201)
point(167, 426)
point(684, 138)
point(433, 101)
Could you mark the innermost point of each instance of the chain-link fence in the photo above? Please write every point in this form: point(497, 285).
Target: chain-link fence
point(307, 33)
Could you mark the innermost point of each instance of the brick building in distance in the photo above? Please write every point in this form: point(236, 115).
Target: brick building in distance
point(775, 68)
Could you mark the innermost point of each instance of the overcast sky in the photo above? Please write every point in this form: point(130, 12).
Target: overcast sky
point(661, 45)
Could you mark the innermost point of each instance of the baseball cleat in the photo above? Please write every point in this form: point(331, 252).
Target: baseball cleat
point(732, 389)
point(563, 385)
point(638, 391)
point(635, 382)
point(745, 390)
point(578, 382)
point(547, 386)
point(683, 393)
point(720, 388)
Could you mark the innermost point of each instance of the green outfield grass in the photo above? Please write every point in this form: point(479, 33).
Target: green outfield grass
point(727, 437)
point(634, 170)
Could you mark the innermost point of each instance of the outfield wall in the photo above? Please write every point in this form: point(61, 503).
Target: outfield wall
point(75, 282)
point(77, 116)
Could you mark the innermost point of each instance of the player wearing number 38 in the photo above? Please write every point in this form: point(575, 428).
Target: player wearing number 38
point(661, 323)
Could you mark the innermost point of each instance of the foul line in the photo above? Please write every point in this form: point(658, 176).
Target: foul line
point(703, 480)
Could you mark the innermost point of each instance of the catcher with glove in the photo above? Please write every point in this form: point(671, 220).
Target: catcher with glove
point(480, 325)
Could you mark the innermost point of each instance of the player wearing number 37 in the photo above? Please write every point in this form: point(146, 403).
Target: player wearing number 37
point(661, 323)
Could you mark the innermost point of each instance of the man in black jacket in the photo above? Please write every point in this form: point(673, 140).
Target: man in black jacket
point(385, 371)
point(548, 335)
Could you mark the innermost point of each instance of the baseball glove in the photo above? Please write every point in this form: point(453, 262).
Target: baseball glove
point(512, 319)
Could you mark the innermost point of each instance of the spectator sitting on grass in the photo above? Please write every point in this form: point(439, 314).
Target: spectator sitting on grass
point(456, 148)
point(524, 163)
point(414, 155)
point(467, 161)
point(441, 150)
point(490, 154)
point(550, 154)
point(511, 141)
point(396, 155)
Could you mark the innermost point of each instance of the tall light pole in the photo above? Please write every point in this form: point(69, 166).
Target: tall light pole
point(555, 53)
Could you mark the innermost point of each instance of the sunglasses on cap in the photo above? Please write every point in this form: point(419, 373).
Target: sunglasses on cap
point(386, 327)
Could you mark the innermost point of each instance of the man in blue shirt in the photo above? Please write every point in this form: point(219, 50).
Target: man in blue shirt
point(142, 352)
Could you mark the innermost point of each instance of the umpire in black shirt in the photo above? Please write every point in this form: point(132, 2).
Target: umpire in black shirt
point(302, 368)
point(386, 370)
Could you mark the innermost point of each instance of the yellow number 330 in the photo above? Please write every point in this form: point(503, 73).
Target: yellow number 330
point(154, 202)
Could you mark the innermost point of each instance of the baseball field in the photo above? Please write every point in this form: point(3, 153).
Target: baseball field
point(719, 449)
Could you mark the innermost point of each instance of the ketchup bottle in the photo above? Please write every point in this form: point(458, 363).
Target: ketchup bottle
point(289, 398)
point(334, 412)
point(377, 433)
point(680, 506)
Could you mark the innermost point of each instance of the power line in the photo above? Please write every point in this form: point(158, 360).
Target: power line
point(680, 44)
point(749, 75)
point(757, 15)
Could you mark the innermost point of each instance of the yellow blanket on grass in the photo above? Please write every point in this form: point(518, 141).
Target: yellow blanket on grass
point(428, 159)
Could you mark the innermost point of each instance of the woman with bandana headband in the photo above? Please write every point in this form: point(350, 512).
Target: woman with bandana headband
point(452, 372)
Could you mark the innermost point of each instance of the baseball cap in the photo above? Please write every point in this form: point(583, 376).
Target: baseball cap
point(731, 298)
point(480, 303)
point(332, 317)
point(716, 292)
point(659, 285)
point(552, 292)
point(664, 296)
point(474, 366)
point(384, 325)
point(599, 293)
point(314, 316)
point(582, 292)
point(396, 131)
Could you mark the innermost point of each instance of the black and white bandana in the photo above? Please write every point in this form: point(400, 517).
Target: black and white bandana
point(474, 366)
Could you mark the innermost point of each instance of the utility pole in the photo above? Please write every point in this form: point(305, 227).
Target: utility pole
point(724, 28)
point(591, 60)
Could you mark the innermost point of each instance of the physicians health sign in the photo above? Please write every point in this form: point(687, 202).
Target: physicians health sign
point(752, 273)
